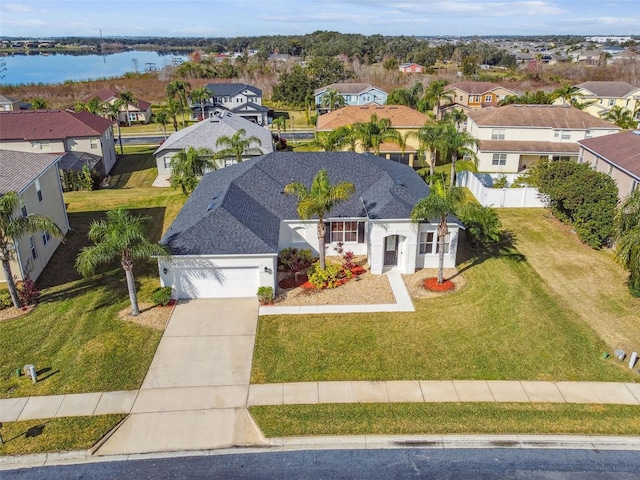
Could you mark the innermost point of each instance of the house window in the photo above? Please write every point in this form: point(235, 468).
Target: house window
point(346, 232)
point(612, 102)
point(38, 189)
point(45, 145)
point(94, 143)
point(347, 98)
point(499, 159)
point(297, 235)
point(566, 135)
point(32, 246)
point(588, 134)
point(634, 185)
point(610, 170)
point(24, 210)
point(497, 134)
point(45, 237)
point(595, 164)
point(580, 159)
point(167, 162)
point(488, 98)
point(474, 98)
point(426, 242)
point(133, 117)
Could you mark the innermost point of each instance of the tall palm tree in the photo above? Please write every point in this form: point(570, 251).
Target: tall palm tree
point(373, 133)
point(188, 166)
point(127, 98)
point(457, 144)
point(434, 97)
point(455, 116)
point(112, 110)
point(12, 227)
point(120, 236)
point(439, 204)
point(627, 239)
point(280, 123)
point(319, 200)
point(568, 93)
point(162, 117)
point(334, 140)
point(620, 116)
point(332, 99)
point(200, 95)
point(173, 108)
point(39, 104)
point(238, 145)
point(430, 141)
point(179, 89)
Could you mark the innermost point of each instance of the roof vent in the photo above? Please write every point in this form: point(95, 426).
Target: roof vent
point(400, 183)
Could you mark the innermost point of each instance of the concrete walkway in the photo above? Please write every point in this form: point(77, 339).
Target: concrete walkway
point(403, 302)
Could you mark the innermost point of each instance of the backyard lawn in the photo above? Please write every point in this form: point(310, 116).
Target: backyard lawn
point(512, 321)
point(74, 337)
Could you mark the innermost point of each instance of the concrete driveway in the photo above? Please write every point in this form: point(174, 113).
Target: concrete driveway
point(195, 393)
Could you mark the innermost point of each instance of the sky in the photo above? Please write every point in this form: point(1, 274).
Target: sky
point(234, 18)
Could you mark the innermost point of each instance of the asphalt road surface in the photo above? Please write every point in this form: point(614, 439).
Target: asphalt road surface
point(511, 464)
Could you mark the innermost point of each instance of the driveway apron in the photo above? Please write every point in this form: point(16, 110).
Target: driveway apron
point(195, 393)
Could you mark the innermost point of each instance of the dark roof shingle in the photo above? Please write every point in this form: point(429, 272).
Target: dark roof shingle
point(50, 125)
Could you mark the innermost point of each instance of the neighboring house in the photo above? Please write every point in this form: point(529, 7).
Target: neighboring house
point(59, 131)
point(410, 68)
point(600, 97)
point(35, 177)
point(206, 133)
point(8, 104)
point(226, 239)
point(515, 136)
point(352, 93)
point(617, 155)
point(402, 118)
point(239, 98)
point(138, 112)
point(468, 96)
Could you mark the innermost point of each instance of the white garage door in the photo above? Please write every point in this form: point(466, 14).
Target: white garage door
point(217, 282)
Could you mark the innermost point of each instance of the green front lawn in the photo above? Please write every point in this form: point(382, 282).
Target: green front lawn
point(74, 337)
point(508, 323)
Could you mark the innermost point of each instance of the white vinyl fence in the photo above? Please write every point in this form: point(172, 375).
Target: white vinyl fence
point(526, 197)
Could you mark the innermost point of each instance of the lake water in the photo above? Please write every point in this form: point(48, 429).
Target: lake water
point(57, 68)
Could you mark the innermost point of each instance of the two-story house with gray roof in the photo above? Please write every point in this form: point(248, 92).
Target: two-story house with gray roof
point(352, 94)
point(239, 98)
point(226, 239)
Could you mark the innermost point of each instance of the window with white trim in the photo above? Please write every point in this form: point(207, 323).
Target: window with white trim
point(426, 245)
point(38, 189)
point(566, 135)
point(610, 170)
point(32, 246)
point(167, 162)
point(133, 117)
point(24, 210)
point(499, 159)
point(46, 237)
point(345, 232)
point(634, 186)
point(93, 142)
point(497, 134)
point(488, 98)
point(588, 134)
point(612, 102)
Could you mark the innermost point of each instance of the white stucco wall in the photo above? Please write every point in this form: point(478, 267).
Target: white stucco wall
point(299, 234)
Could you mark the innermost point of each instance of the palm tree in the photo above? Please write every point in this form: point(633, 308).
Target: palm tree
point(482, 223)
point(280, 123)
point(430, 142)
point(119, 236)
point(434, 96)
point(237, 145)
point(12, 227)
point(455, 116)
point(406, 96)
point(39, 104)
point(620, 116)
point(334, 140)
point(373, 133)
point(200, 95)
point(178, 88)
point(127, 98)
point(568, 93)
point(627, 239)
point(318, 201)
point(457, 144)
point(439, 204)
point(173, 108)
point(332, 99)
point(188, 166)
point(162, 117)
point(112, 110)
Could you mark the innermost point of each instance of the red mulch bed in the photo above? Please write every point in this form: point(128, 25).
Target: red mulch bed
point(432, 284)
point(290, 282)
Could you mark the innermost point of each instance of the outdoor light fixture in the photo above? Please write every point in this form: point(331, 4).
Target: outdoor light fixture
point(165, 270)
point(266, 270)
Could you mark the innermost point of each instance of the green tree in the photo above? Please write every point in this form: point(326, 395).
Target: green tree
point(112, 110)
point(373, 133)
point(162, 117)
point(94, 105)
point(318, 201)
point(332, 99)
point(457, 144)
point(626, 236)
point(325, 70)
point(620, 116)
point(294, 87)
point(568, 93)
point(481, 223)
point(439, 204)
point(430, 141)
point(127, 98)
point(39, 104)
point(173, 109)
point(280, 123)
point(200, 95)
point(119, 236)
point(13, 226)
point(406, 96)
point(188, 166)
point(435, 97)
point(455, 116)
point(180, 90)
point(238, 145)
point(334, 140)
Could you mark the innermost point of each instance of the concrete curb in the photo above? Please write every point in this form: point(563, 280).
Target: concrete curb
point(361, 442)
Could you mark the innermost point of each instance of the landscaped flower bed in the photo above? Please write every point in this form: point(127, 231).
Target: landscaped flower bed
point(432, 284)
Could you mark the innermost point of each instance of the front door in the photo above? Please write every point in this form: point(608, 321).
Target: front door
point(391, 250)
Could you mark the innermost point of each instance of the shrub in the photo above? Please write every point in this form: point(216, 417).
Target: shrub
point(294, 260)
point(161, 296)
point(330, 277)
point(500, 182)
point(5, 299)
point(28, 292)
point(265, 295)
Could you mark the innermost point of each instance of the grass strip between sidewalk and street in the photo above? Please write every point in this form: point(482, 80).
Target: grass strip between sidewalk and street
point(446, 418)
point(55, 434)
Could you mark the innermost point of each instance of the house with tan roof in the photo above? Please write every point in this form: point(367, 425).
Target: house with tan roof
point(352, 93)
point(515, 136)
point(133, 112)
point(617, 155)
point(600, 97)
point(63, 132)
point(35, 178)
point(468, 96)
point(404, 119)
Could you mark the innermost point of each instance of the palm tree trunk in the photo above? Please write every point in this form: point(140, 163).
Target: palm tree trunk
point(432, 167)
point(442, 233)
point(6, 267)
point(454, 157)
point(119, 136)
point(321, 233)
point(131, 286)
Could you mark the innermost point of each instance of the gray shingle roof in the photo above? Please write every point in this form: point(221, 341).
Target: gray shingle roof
point(238, 209)
point(231, 89)
point(19, 169)
point(608, 89)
